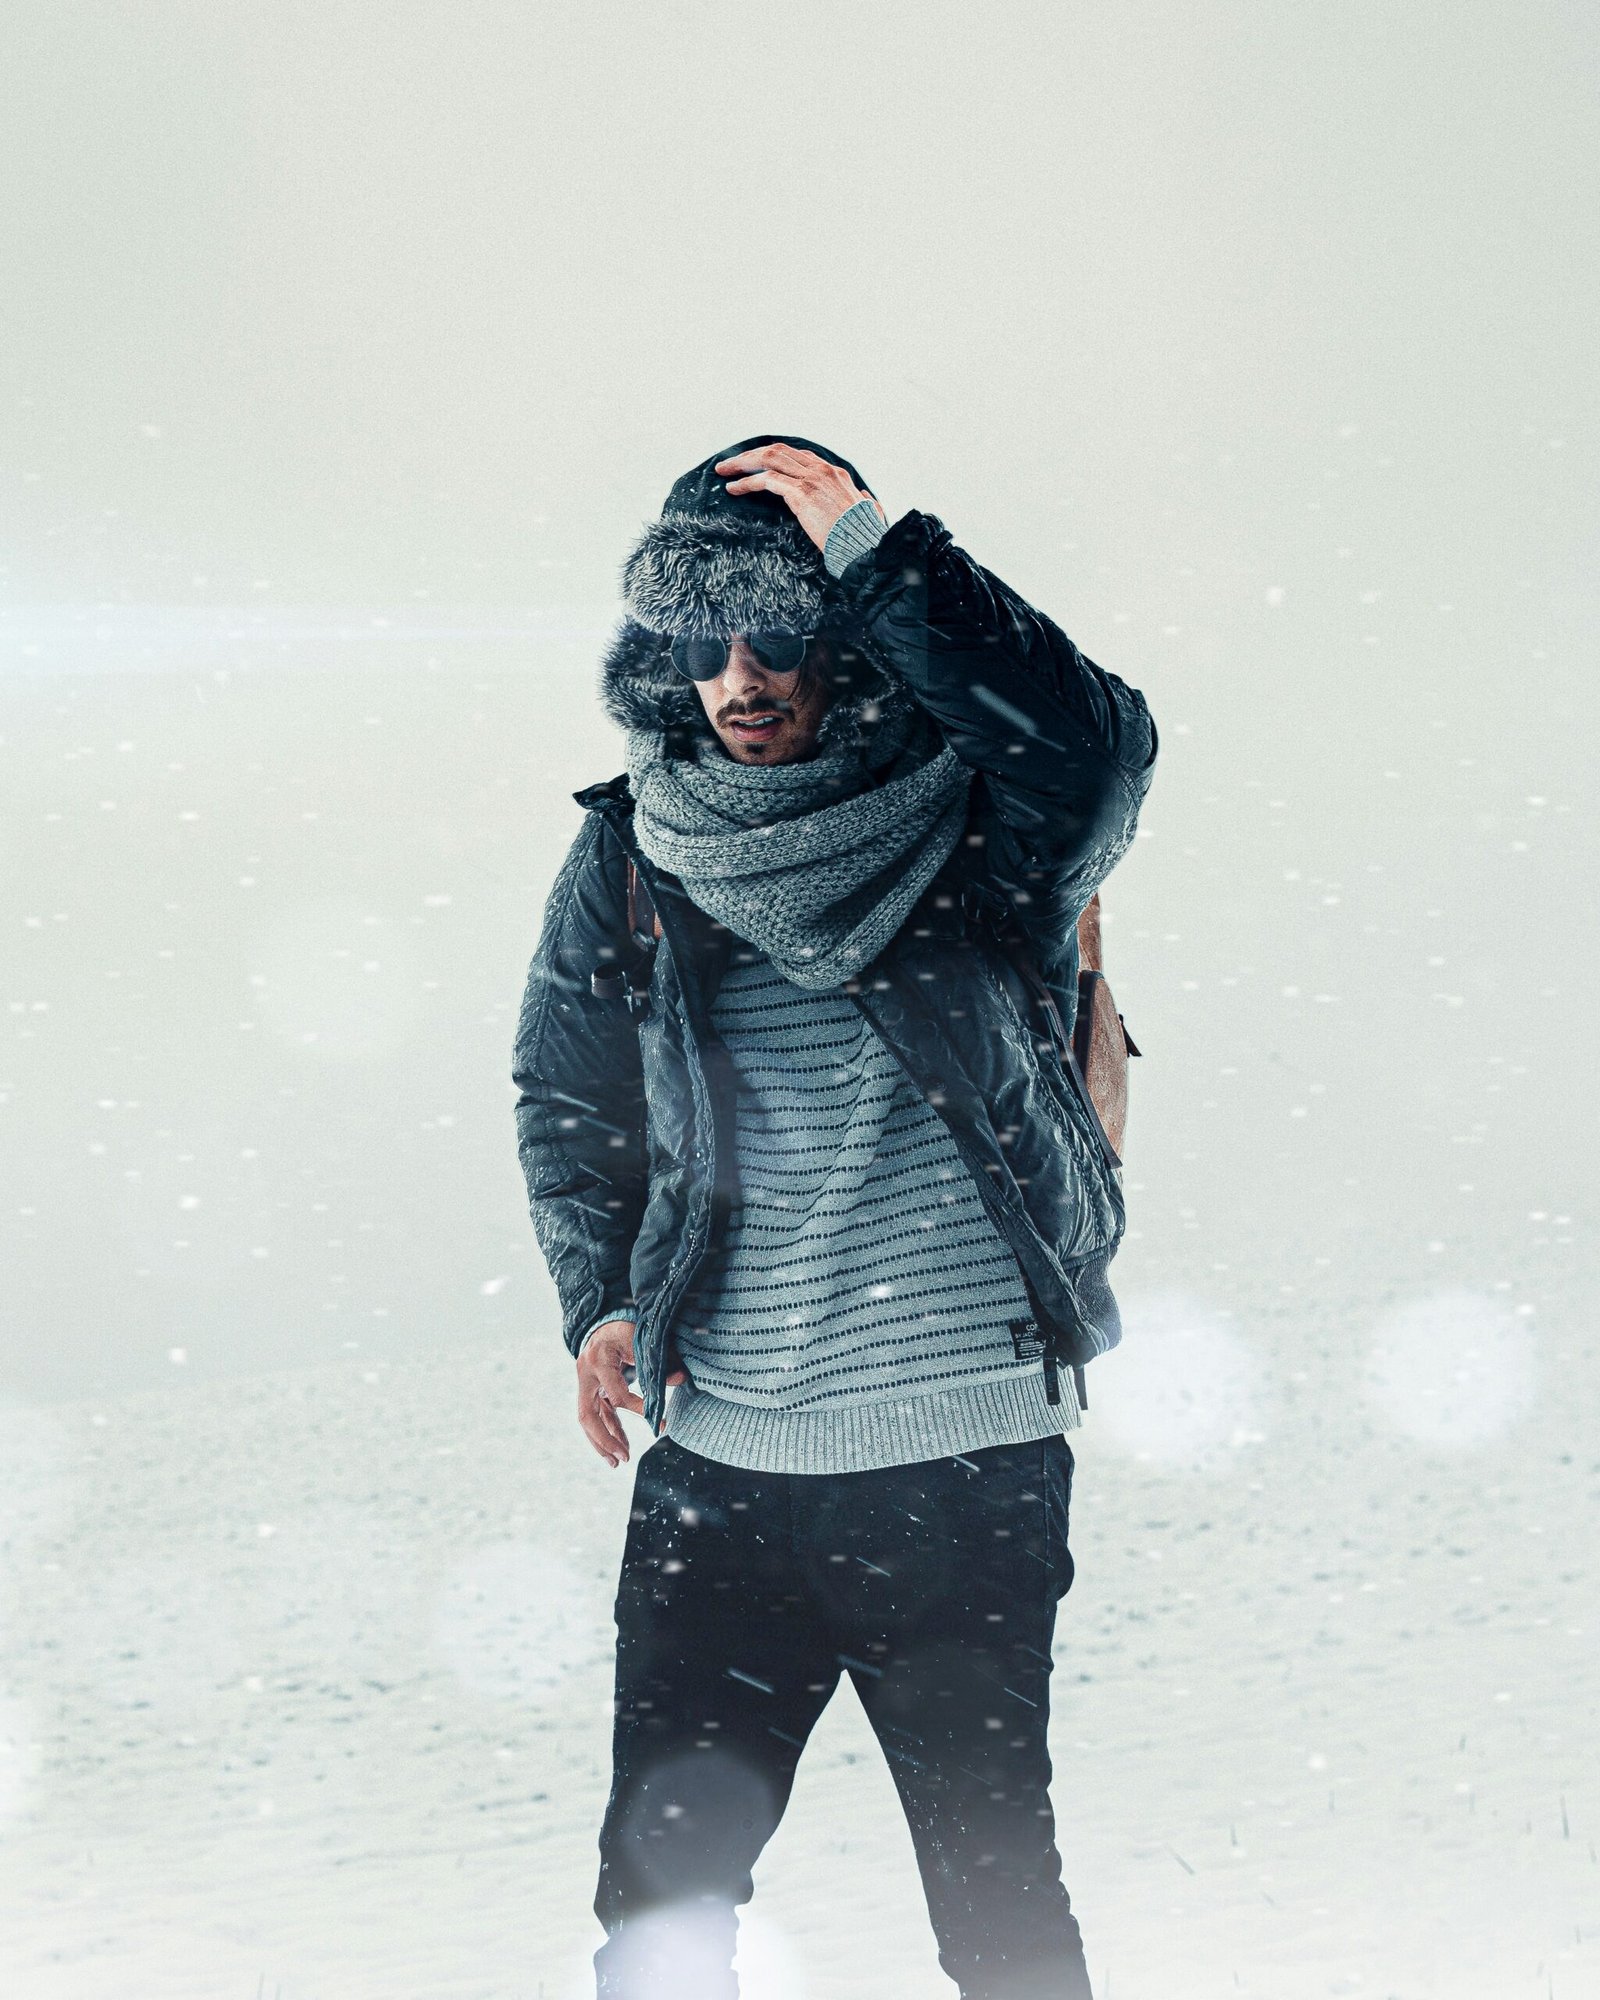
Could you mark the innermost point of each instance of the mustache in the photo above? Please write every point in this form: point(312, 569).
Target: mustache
point(745, 712)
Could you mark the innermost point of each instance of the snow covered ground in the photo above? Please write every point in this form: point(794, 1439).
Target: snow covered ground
point(307, 1689)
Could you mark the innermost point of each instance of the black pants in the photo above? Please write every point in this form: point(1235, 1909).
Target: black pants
point(743, 1597)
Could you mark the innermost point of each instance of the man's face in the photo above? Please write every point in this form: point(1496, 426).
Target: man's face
point(765, 718)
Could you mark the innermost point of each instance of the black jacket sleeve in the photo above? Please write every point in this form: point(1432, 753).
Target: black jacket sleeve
point(1065, 750)
point(580, 1109)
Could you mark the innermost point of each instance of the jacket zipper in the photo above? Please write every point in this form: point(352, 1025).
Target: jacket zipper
point(670, 1292)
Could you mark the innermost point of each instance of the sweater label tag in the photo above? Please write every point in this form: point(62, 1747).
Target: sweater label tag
point(1026, 1339)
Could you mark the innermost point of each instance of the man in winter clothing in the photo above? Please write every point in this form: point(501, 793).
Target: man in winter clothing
point(805, 1150)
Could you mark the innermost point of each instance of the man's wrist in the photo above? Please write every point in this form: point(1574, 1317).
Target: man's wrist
point(605, 1319)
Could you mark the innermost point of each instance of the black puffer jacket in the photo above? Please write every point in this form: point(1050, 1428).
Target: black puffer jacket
point(625, 1126)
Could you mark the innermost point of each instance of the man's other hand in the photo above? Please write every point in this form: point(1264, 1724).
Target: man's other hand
point(603, 1388)
point(816, 491)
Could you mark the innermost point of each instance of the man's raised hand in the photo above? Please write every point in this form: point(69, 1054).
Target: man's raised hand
point(815, 490)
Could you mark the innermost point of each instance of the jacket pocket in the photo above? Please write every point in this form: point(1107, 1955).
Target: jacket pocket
point(1078, 1126)
point(1080, 1113)
point(1072, 1123)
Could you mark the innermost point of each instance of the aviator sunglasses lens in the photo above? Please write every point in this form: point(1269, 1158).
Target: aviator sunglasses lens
point(699, 659)
point(704, 659)
point(779, 652)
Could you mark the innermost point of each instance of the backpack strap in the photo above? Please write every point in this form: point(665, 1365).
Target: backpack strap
point(644, 925)
point(631, 982)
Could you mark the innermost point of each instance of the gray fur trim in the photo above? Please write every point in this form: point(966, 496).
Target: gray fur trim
point(713, 576)
point(640, 688)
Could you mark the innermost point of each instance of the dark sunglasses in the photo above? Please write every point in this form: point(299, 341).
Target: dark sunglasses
point(704, 659)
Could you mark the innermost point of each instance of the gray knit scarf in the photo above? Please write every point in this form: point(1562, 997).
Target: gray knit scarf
point(816, 863)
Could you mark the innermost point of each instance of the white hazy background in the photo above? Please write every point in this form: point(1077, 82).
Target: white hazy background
point(346, 349)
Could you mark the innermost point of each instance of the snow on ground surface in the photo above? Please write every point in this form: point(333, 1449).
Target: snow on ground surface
point(307, 1697)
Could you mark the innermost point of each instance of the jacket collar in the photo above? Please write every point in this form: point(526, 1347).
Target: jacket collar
point(610, 791)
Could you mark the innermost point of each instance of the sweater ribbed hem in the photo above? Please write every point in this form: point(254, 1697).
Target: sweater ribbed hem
point(1010, 1409)
point(856, 530)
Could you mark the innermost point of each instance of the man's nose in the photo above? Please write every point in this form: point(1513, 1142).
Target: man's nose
point(744, 673)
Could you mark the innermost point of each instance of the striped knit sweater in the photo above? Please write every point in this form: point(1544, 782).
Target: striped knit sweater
point(862, 1309)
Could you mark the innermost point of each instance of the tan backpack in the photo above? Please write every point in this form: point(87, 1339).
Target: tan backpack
point(1101, 1043)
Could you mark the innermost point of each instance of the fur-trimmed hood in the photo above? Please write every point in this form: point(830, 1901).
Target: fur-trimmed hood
point(715, 564)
